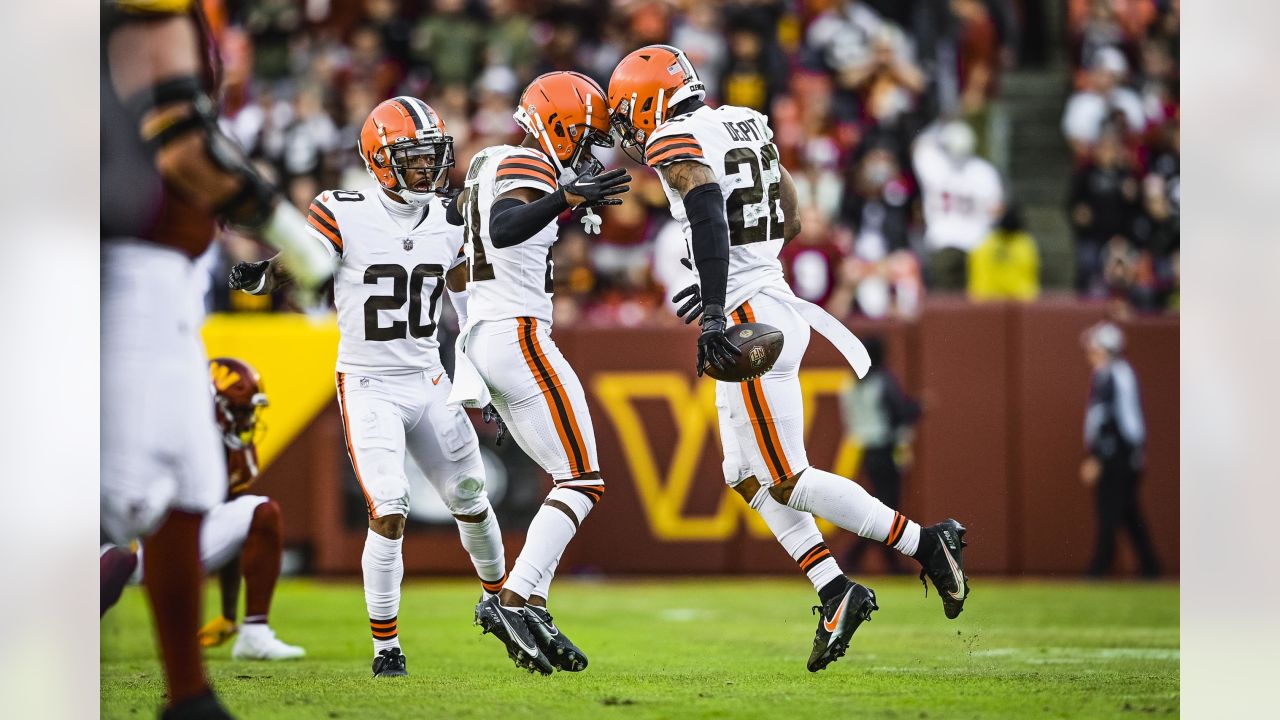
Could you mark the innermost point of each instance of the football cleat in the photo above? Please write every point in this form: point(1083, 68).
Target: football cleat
point(389, 663)
point(201, 707)
point(944, 565)
point(558, 648)
point(838, 619)
point(259, 642)
point(216, 632)
point(509, 626)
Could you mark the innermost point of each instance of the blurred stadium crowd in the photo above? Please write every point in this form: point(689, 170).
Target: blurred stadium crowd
point(880, 107)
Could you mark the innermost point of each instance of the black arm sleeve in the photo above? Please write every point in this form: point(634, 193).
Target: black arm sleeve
point(709, 228)
point(511, 221)
point(453, 211)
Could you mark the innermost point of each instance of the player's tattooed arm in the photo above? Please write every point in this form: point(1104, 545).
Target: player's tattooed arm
point(686, 175)
point(790, 208)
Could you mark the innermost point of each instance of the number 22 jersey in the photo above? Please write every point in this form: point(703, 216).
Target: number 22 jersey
point(737, 144)
point(390, 282)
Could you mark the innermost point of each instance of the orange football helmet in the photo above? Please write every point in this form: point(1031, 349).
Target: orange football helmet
point(238, 399)
point(403, 134)
point(644, 87)
point(567, 113)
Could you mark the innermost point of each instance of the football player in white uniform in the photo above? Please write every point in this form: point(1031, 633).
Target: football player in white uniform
point(737, 204)
point(512, 198)
point(243, 536)
point(398, 247)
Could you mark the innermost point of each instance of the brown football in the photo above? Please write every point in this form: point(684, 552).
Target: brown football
point(760, 345)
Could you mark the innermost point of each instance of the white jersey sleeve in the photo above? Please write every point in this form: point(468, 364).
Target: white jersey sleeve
point(513, 281)
point(524, 168)
point(323, 226)
point(736, 144)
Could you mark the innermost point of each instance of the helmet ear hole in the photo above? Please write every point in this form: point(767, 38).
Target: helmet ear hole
point(648, 105)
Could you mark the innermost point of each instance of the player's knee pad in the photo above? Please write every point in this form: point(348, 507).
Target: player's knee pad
point(465, 493)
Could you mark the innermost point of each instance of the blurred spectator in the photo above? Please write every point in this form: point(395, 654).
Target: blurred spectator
point(272, 25)
point(882, 274)
point(699, 35)
point(448, 42)
point(1114, 435)
point(368, 64)
point(842, 41)
point(978, 63)
point(752, 77)
point(1105, 104)
point(309, 136)
point(1101, 206)
point(881, 418)
point(813, 258)
point(1006, 266)
point(511, 40)
point(962, 197)
point(384, 17)
point(1156, 235)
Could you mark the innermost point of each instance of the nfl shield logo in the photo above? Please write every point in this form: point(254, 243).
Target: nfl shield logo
point(408, 244)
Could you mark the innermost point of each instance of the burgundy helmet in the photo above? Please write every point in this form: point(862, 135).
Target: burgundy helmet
point(238, 399)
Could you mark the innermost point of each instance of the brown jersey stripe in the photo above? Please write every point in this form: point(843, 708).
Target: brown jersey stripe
point(662, 142)
point(535, 166)
point(692, 147)
point(571, 425)
point(674, 156)
point(895, 529)
point(346, 430)
point(595, 492)
point(547, 382)
point(515, 176)
point(317, 222)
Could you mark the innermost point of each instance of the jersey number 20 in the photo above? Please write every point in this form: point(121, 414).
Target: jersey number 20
point(404, 286)
point(755, 211)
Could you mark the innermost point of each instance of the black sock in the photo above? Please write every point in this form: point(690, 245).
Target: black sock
point(833, 589)
point(928, 543)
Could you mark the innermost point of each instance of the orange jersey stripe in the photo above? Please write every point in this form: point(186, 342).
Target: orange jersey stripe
point(527, 165)
point(346, 429)
point(762, 417)
point(317, 224)
point(525, 329)
point(572, 426)
point(663, 143)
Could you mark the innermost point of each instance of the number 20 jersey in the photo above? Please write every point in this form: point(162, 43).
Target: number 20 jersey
point(390, 281)
point(737, 144)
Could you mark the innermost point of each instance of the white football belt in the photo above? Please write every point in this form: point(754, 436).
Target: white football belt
point(828, 327)
point(469, 389)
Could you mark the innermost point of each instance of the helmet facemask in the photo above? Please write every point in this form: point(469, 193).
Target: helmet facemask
point(420, 167)
point(630, 138)
point(582, 162)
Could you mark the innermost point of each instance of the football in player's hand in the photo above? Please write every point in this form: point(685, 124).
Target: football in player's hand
point(760, 345)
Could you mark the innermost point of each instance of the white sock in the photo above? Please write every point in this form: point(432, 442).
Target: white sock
point(844, 502)
point(543, 588)
point(483, 541)
point(549, 534)
point(799, 536)
point(383, 566)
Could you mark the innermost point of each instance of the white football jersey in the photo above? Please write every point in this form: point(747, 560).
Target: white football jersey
point(515, 281)
point(390, 282)
point(737, 144)
point(960, 199)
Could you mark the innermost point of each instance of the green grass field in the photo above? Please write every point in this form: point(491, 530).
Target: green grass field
point(697, 649)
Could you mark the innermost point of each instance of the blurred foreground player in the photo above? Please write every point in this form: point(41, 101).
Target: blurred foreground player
point(168, 175)
point(737, 204)
point(243, 535)
point(398, 249)
point(512, 198)
point(1115, 435)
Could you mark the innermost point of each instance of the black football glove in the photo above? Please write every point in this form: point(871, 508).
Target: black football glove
point(599, 189)
point(249, 277)
point(714, 348)
point(691, 310)
point(490, 414)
